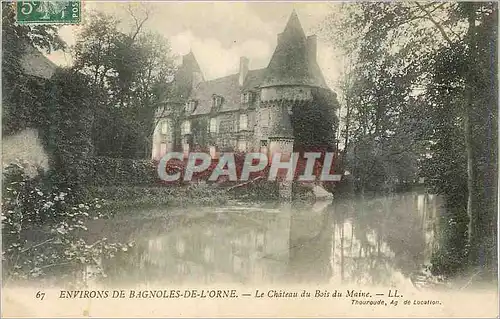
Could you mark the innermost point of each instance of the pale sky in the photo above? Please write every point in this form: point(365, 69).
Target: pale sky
point(219, 33)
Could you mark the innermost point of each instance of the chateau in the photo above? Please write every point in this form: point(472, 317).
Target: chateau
point(248, 111)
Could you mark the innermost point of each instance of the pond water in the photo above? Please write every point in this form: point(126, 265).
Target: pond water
point(380, 241)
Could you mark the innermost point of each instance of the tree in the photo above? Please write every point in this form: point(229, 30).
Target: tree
point(131, 73)
point(44, 217)
point(402, 72)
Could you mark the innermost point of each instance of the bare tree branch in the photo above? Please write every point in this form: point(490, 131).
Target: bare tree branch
point(37, 245)
point(139, 23)
point(429, 16)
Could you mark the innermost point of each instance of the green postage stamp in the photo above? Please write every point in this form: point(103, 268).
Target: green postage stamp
point(49, 12)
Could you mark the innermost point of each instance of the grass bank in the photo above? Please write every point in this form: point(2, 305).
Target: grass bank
point(194, 195)
point(149, 197)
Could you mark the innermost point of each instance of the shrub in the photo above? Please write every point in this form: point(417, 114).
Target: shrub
point(120, 171)
point(43, 229)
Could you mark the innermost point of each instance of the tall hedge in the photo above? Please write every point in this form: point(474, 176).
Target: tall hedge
point(107, 171)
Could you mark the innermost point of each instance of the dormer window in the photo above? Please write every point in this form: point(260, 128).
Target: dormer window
point(190, 106)
point(247, 97)
point(217, 101)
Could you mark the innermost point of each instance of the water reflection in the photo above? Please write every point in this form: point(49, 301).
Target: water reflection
point(377, 241)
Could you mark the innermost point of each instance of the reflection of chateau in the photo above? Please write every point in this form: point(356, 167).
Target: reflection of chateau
point(247, 111)
point(379, 241)
point(215, 251)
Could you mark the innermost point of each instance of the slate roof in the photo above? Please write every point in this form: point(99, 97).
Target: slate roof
point(227, 87)
point(189, 61)
point(35, 63)
point(184, 78)
point(291, 63)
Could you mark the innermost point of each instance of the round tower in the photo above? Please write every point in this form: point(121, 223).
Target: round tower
point(291, 76)
point(281, 142)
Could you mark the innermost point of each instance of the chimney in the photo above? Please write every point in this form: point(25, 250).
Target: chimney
point(243, 70)
point(312, 42)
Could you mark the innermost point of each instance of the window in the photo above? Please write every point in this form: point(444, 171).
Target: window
point(190, 106)
point(217, 100)
point(164, 127)
point(213, 151)
point(242, 146)
point(243, 122)
point(213, 125)
point(247, 97)
point(264, 118)
point(186, 127)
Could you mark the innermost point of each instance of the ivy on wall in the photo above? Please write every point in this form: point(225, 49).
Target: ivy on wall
point(314, 123)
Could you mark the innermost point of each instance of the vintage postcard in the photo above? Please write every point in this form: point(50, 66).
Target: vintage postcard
point(249, 159)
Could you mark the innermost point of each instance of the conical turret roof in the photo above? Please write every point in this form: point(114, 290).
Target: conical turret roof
point(189, 63)
point(184, 77)
point(291, 64)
